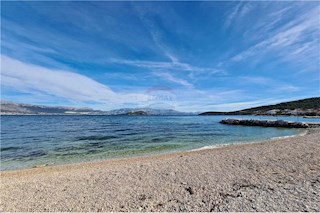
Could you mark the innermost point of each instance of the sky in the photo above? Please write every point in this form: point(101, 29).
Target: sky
point(186, 56)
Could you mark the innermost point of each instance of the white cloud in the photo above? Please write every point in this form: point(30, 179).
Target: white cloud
point(255, 80)
point(35, 79)
point(239, 105)
point(169, 77)
point(40, 82)
point(201, 100)
point(59, 83)
point(275, 86)
point(157, 36)
point(174, 65)
point(267, 23)
point(287, 88)
point(232, 15)
point(238, 12)
point(233, 106)
point(288, 38)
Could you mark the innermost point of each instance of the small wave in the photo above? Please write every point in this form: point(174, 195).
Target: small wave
point(122, 130)
point(9, 148)
point(38, 153)
point(211, 147)
point(95, 138)
point(130, 133)
point(248, 142)
point(65, 148)
point(289, 136)
point(283, 137)
point(159, 139)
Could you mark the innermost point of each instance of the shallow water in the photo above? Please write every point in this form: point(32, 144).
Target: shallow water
point(28, 141)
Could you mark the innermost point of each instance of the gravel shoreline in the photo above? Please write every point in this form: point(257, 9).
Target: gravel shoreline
point(279, 175)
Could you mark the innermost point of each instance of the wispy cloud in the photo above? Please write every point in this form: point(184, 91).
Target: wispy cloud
point(158, 38)
point(287, 88)
point(155, 33)
point(255, 80)
point(169, 77)
point(288, 39)
point(112, 53)
point(232, 15)
point(161, 65)
point(275, 86)
point(34, 79)
point(237, 12)
point(267, 24)
point(239, 105)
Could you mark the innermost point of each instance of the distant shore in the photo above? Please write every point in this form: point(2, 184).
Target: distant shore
point(281, 175)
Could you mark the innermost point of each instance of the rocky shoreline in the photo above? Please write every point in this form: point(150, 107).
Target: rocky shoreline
point(269, 123)
point(279, 175)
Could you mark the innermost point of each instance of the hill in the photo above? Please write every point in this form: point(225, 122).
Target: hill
point(307, 107)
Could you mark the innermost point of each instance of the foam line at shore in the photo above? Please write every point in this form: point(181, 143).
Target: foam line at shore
point(290, 136)
point(249, 142)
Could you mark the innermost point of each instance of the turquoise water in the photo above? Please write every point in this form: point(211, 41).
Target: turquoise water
point(28, 141)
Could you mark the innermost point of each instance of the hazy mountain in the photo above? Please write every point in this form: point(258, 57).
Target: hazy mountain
point(11, 108)
point(309, 106)
point(147, 111)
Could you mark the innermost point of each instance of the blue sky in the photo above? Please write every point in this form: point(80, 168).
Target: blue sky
point(187, 56)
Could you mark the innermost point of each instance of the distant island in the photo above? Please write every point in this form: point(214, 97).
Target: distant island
point(304, 107)
point(136, 113)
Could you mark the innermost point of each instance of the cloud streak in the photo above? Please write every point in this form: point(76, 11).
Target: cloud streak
point(157, 36)
point(275, 86)
point(288, 39)
point(109, 54)
point(30, 78)
point(169, 77)
point(237, 12)
point(160, 65)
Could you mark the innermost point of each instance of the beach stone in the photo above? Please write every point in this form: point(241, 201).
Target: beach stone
point(277, 176)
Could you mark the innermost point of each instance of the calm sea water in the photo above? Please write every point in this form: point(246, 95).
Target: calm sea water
point(28, 141)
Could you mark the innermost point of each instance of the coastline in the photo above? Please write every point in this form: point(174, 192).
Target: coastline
point(249, 142)
point(173, 181)
point(155, 154)
point(150, 156)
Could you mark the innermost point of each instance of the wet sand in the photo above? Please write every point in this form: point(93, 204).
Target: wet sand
point(280, 175)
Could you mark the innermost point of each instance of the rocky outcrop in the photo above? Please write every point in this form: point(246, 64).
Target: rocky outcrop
point(267, 123)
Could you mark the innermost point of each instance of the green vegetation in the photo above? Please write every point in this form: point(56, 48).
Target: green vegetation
point(309, 107)
point(309, 103)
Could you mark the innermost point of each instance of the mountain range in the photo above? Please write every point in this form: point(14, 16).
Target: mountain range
point(12, 108)
point(305, 107)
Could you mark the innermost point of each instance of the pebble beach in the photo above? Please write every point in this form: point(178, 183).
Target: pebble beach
point(277, 175)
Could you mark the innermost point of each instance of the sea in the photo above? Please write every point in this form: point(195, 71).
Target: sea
point(34, 141)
